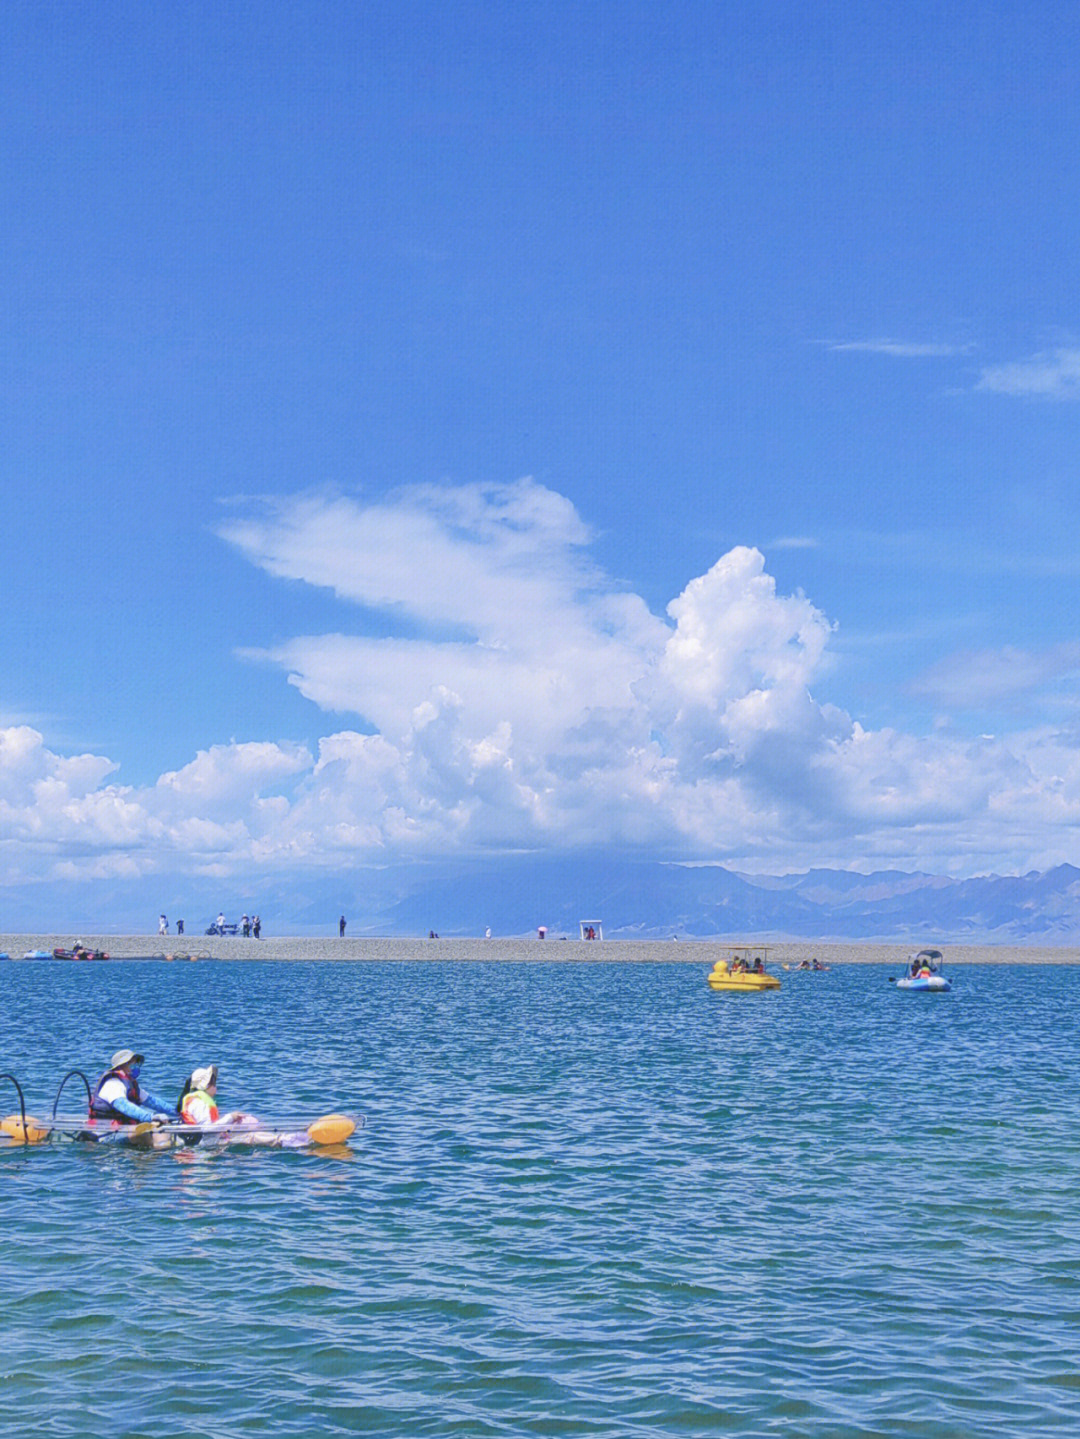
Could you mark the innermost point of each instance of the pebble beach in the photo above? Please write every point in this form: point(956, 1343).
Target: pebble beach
point(520, 950)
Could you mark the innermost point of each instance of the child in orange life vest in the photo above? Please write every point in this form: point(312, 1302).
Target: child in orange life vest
point(198, 1102)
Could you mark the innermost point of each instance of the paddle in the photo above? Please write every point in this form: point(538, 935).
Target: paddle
point(134, 1134)
point(139, 1136)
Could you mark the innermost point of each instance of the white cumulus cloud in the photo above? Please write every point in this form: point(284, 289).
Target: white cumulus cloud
point(488, 687)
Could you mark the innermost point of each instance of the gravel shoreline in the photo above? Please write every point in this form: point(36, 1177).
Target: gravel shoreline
point(330, 948)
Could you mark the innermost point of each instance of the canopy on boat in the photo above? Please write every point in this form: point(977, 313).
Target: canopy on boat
point(931, 959)
point(748, 953)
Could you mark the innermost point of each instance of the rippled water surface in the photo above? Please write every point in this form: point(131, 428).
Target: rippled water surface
point(593, 1200)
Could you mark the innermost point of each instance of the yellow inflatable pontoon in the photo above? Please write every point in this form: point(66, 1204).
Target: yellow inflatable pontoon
point(745, 973)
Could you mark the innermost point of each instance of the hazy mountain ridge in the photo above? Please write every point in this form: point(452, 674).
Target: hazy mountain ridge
point(513, 895)
point(653, 901)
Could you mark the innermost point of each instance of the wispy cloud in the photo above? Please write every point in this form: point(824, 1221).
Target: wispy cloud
point(900, 349)
point(794, 542)
point(957, 551)
point(977, 678)
point(1050, 375)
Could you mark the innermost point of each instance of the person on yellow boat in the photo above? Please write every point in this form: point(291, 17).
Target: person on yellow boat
point(198, 1099)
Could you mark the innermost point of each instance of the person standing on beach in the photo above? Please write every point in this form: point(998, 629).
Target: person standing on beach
point(341, 927)
point(162, 925)
point(256, 926)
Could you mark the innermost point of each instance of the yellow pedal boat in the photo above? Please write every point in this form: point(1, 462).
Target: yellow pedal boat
point(744, 972)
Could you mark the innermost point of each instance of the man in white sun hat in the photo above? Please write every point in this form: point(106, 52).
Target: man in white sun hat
point(120, 1097)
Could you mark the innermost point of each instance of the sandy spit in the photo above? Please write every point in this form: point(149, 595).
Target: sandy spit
point(780, 953)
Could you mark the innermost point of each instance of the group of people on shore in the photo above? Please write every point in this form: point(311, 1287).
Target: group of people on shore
point(119, 1097)
point(250, 926)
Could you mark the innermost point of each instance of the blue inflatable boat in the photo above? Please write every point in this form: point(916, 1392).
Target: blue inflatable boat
point(924, 973)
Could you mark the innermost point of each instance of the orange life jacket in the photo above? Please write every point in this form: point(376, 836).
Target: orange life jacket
point(186, 1112)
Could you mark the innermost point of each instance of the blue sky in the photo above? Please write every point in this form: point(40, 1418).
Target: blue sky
point(460, 430)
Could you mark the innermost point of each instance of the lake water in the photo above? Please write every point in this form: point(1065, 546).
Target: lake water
point(590, 1200)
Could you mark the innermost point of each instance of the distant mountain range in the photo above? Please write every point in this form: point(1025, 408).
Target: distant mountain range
point(654, 901)
point(648, 900)
point(633, 899)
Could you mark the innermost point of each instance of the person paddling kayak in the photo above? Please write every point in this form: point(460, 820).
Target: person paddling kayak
point(119, 1096)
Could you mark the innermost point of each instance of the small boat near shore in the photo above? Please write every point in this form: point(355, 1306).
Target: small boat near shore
point(78, 952)
point(743, 972)
point(924, 973)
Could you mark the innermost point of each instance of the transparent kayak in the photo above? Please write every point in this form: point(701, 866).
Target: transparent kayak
point(247, 1132)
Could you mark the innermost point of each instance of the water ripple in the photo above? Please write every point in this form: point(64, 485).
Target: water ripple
point(590, 1200)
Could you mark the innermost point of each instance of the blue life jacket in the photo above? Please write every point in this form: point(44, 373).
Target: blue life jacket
point(102, 1109)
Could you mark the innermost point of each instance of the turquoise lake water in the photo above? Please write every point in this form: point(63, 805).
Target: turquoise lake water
point(594, 1200)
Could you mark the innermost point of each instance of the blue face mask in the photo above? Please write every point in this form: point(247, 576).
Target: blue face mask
point(133, 1070)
